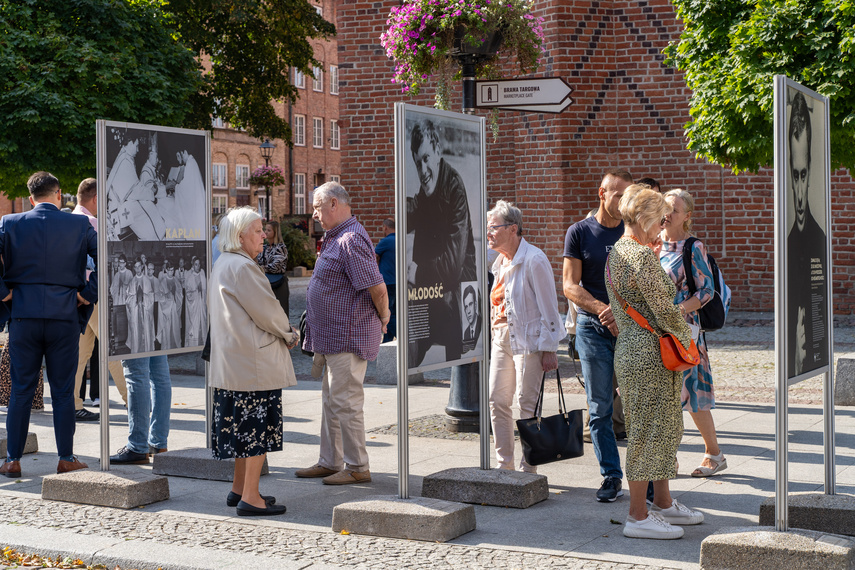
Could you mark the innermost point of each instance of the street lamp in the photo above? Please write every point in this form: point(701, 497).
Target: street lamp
point(267, 153)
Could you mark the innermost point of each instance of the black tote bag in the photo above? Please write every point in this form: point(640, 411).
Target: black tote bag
point(553, 438)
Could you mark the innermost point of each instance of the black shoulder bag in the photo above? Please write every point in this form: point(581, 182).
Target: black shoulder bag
point(554, 438)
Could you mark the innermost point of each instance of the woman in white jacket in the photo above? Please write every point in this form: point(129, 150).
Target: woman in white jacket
point(525, 323)
point(250, 363)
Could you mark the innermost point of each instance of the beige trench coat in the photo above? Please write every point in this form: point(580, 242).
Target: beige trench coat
point(249, 329)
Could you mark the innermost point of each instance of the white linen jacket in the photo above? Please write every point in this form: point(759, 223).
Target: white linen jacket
point(531, 303)
point(248, 328)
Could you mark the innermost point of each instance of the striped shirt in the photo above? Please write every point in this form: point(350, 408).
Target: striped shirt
point(340, 314)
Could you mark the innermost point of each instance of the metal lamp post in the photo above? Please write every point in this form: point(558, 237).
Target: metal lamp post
point(267, 148)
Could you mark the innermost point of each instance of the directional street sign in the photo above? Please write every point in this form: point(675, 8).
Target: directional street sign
point(540, 95)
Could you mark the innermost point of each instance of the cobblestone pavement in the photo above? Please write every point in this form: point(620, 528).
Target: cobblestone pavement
point(269, 540)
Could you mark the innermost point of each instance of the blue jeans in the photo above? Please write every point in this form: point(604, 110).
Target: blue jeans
point(148, 383)
point(596, 347)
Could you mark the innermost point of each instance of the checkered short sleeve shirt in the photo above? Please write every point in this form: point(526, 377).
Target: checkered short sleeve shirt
point(340, 314)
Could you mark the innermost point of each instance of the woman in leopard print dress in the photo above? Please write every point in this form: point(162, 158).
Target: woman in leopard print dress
point(650, 392)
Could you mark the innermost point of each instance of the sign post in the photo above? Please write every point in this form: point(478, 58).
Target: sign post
point(539, 95)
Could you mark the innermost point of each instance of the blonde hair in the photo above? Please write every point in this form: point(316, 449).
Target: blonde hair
point(643, 206)
point(232, 225)
point(688, 201)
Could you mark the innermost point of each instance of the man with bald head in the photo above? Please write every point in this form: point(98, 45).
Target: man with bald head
point(586, 249)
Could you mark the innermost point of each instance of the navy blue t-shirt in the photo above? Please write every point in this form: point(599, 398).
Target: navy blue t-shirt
point(386, 251)
point(591, 242)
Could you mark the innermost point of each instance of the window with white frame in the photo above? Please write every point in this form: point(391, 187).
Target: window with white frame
point(335, 178)
point(242, 176)
point(217, 123)
point(262, 205)
point(318, 78)
point(299, 79)
point(298, 130)
point(317, 132)
point(299, 193)
point(219, 175)
point(334, 135)
point(320, 11)
point(219, 204)
point(333, 80)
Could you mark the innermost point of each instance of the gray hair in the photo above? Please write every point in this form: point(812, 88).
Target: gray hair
point(508, 212)
point(332, 190)
point(234, 223)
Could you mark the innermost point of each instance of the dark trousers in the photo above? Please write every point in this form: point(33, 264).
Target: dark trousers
point(392, 327)
point(31, 340)
point(94, 385)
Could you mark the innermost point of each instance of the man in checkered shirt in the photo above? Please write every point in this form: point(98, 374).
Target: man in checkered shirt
point(347, 310)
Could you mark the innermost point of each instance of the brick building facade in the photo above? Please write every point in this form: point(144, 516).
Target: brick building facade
point(315, 156)
point(629, 111)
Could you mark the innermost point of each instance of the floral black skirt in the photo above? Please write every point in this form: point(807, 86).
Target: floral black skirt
point(246, 424)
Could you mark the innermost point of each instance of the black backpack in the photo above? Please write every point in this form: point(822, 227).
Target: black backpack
point(713, 315)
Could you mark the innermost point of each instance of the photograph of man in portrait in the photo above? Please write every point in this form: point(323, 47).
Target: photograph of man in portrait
point(443, 182)
point(807, 261)
point(471, 318)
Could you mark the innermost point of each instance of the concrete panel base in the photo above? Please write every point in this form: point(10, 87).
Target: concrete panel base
point(387, 366)
point(761, 548)
point(844, 382)
point(834, 514)
point(496, 487)
point(31, 446)
point(120, 488)
point(414, 519)
point(197, 463)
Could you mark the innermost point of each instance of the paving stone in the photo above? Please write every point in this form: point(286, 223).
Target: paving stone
point(387, 366)
point(418, 518)
point(844, 382)
point(120, 488)
point(762, 548)
point(31, 445)
point(834, 514)
point(197, 463)
point(496, 487)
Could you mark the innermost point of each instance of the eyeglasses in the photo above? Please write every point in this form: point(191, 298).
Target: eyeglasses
point(494, 229)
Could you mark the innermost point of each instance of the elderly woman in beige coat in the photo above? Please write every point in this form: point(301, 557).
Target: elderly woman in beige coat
point(250, 363)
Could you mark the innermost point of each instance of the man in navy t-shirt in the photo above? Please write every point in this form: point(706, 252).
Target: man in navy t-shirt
point(586, 248)
point(385, 251)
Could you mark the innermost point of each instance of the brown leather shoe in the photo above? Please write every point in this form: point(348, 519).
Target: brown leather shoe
point(11, 469)
point(348, 477)
point(314, 471)
point(67, 466)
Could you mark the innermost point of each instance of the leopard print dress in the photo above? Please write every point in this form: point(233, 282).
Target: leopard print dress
point(6, 383)
point(650, 392)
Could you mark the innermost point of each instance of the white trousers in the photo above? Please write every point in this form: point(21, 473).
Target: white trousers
point(342, 419)
point(511, 376)
point(86, 344)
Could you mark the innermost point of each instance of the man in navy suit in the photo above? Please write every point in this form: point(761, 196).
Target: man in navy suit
point(45, 288)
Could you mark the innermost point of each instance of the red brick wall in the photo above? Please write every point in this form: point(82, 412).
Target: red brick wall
point(629, 112)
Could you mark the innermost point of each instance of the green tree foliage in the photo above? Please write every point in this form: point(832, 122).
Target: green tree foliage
point(731, 49)
point(250, 45)
point(66, 63)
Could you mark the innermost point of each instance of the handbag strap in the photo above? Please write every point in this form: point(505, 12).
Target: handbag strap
point(538, 407)
point(624, 304)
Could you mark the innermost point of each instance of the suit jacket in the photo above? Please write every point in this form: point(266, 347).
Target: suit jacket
point(44, 257)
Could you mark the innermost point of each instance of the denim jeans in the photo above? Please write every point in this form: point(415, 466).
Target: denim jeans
point(596, 347)
point(149, 402)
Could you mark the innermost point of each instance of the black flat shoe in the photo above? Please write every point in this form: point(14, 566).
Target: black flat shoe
point(233, 499)
point(247, 510)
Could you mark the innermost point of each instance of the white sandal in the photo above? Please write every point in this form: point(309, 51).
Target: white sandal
point(720, 465)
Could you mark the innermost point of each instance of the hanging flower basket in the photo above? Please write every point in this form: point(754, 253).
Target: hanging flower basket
point(267, 176)
point(424, 36)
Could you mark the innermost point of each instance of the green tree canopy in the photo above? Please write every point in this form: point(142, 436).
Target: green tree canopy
point(731, 49)
point(66, 63)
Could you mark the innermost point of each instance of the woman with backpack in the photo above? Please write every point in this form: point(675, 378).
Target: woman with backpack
point(698, 396)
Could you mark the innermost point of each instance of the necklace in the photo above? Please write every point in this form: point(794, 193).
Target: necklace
point(633, 238)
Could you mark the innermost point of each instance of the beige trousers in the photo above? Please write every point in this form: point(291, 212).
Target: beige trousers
point(86, 344)
point(342, 420)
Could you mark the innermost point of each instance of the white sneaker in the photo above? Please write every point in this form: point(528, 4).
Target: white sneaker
point(679, 513)
point(96, 402)
point(654, 526)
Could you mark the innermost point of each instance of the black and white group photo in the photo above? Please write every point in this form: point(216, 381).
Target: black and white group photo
point(443, 179)
point(157, 294)
point(156, 185)
point(807, 263)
